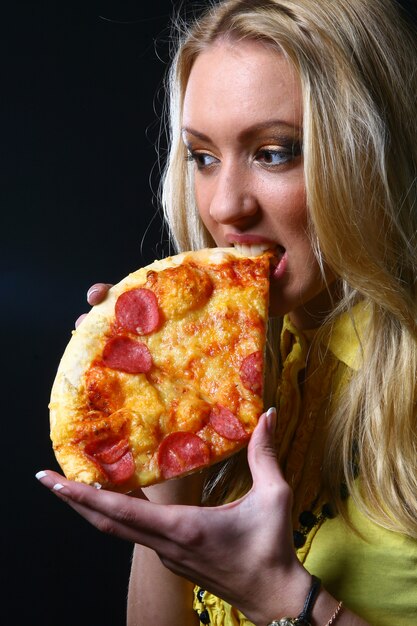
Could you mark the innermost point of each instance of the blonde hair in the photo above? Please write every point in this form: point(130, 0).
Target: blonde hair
point(356, 60)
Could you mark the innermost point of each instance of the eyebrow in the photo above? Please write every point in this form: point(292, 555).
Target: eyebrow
point(267, 125)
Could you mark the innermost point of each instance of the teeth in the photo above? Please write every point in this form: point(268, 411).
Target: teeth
point(252, 250)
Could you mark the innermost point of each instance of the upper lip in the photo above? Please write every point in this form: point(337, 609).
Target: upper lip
point(249, 239)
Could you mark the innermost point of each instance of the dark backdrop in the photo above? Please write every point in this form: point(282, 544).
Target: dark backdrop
point(79, 111)
point(79, 120)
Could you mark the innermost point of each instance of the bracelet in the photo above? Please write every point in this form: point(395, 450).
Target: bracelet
point(304, 618)
point(335, 614)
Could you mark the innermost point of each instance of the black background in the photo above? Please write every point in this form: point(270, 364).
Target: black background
point(80, 105)
point(80, 108)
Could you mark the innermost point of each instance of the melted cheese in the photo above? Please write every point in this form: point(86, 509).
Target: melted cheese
point(213, 318)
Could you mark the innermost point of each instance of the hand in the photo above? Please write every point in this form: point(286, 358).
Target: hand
point(95, 295)
point(241, 551)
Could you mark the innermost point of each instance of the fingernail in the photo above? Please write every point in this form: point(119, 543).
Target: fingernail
point(271, 419)
point(40, 475)
point(59, 488)
point(91, 291)
point(79, 320)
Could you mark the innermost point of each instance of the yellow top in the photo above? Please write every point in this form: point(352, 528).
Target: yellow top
point(374, 571)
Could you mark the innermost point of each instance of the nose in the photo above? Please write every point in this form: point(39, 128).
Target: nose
point(234, 199)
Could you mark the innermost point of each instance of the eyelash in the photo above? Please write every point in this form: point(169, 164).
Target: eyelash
point(196, 157)
point(285, 154)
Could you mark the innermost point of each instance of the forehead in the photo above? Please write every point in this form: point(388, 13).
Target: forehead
point(243, 81)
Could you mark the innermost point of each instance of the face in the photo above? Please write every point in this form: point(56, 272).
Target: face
point(242, 125)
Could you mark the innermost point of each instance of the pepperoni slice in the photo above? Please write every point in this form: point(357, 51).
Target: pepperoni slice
point(182, 452)
point(127, 355)
point(251, 372)
point(137, 311)
point(120, 471)
point(114, 457)
point(107, 450)
point(226, 424)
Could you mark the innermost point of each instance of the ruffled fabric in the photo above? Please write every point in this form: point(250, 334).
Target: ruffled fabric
point(302, 405)
point(218, 612)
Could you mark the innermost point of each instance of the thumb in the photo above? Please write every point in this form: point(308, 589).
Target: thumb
point(262, 456)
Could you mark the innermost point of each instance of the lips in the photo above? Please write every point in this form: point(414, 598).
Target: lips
point(248, 239)
point(279, 263)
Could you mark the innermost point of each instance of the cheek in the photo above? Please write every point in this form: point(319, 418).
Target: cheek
point(288, 207)
point(202, 195)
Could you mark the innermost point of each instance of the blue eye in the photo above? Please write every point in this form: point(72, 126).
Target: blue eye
point(278, 156)
point(274, 157)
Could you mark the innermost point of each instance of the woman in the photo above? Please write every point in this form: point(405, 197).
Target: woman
point(293, 124)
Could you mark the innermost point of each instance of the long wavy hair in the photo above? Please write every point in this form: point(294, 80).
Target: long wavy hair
point(356, 60)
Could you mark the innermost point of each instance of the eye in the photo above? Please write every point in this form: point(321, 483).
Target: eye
point(275, 155)
point(202, 160)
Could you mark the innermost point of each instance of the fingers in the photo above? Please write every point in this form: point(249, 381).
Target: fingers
point(270, 489)
point(262, 441)
point(97, 293)
point(80, 319)
point(262, 454)
point(132, 519)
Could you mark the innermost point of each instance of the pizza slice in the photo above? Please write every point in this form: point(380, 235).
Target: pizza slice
point(165, 377)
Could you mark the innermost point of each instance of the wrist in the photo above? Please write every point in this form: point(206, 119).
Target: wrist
point(284, 595)
point(304, 618)
point(287, 602)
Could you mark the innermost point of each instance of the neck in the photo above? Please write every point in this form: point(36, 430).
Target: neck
point(312, 314)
